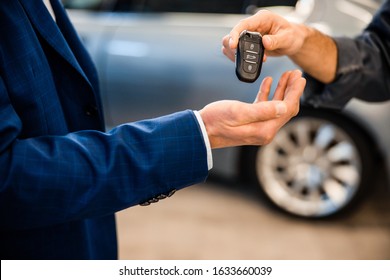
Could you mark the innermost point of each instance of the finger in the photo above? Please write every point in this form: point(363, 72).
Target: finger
point(236, 31)
point(259, 133)
point(229, 54)
point(226, 50)
point(295, 86)
point(225, 41)
point(264, 90)
point(295, 75)
point(235, 34)
point(294, 90)
point(263, 21)
point(282, 85)
point(262, 111)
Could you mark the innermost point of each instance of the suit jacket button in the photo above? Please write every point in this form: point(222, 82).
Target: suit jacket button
point(146, 203)
point(91, 110)
point(171, 193)
point(162, 196)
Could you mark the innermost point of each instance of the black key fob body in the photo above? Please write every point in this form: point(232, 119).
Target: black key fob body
point(249, 56)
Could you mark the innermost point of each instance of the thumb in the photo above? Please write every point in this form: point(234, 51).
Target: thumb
point(280, 107)
point(264, 111)
point(270, 42)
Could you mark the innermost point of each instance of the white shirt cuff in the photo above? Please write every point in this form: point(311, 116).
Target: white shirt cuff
point(206, 140)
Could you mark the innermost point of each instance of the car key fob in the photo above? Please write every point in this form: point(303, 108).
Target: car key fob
point(249, 56)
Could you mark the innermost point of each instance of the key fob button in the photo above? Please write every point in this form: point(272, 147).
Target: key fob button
point(251, 57)
point(253, 47)
point(250, 67)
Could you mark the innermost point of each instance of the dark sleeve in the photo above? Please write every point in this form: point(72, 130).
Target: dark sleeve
point(55, 179)
point(363, 69)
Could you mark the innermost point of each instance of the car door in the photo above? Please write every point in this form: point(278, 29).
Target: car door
point(159, 62)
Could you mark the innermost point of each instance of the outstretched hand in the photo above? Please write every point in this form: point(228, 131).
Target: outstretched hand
point(234, 123)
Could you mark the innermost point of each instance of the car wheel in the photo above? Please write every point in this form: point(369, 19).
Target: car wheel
point(318, 165)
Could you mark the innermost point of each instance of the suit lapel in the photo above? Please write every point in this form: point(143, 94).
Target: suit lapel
point(74, 42)
point(45, 25)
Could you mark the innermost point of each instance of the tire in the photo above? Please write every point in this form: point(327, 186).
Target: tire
point(319, 165)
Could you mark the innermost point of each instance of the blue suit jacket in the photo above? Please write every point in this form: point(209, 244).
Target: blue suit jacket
point(61, 177)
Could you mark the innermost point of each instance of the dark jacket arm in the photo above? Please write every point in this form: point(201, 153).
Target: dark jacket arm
point(363, 69)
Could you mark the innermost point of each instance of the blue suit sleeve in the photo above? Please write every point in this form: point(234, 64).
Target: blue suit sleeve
point(54, 179)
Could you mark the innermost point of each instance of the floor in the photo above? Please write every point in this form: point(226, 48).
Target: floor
point(219, 221)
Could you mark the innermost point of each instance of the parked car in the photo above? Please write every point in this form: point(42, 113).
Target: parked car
point(158, 57)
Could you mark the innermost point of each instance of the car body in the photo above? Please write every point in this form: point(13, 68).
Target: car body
point(153, 60)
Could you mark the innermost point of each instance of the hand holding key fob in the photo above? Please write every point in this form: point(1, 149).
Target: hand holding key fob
point(249, 56)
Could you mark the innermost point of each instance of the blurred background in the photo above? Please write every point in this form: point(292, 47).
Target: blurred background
point(320, 190)
point(225, 221)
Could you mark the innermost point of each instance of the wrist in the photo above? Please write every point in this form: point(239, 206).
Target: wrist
point(302, 36)
point(317, 55)
point(205, 138)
